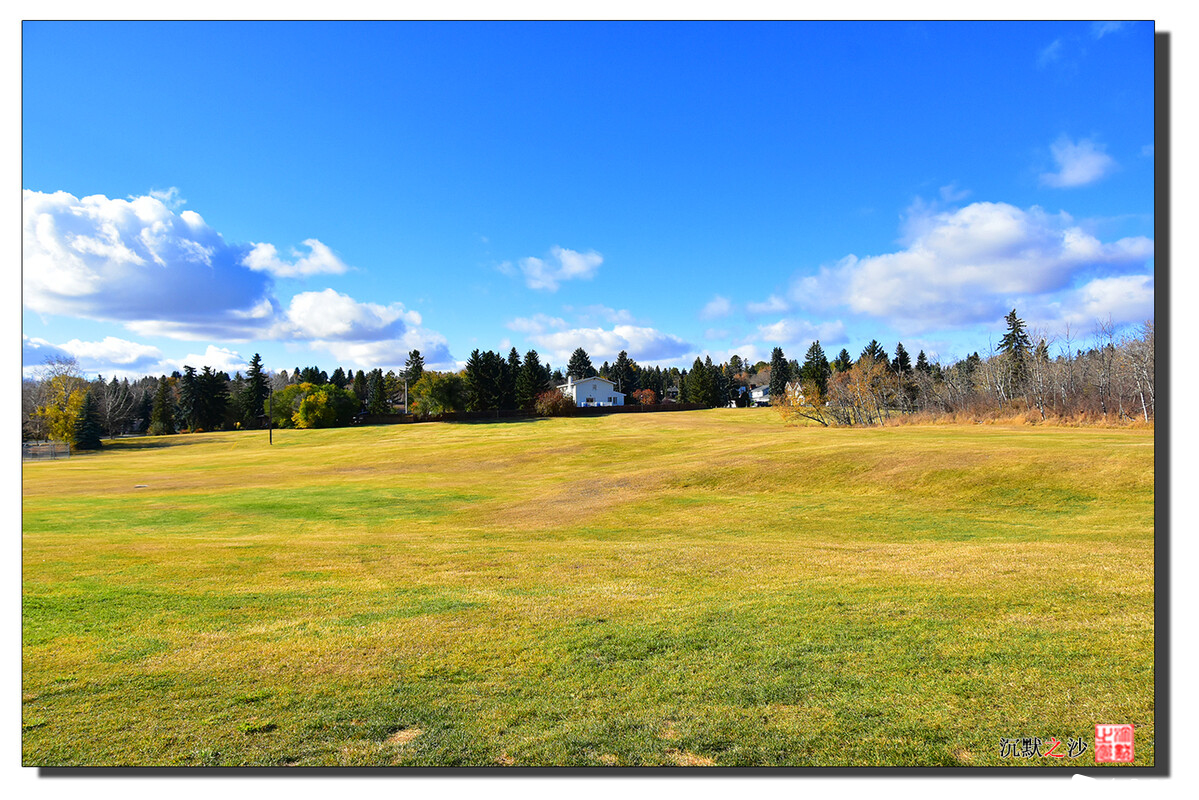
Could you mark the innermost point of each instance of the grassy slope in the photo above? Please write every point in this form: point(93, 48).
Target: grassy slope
point(671, 588)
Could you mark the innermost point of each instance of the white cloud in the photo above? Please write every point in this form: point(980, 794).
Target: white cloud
point(221, 359)
point(1101, 29)
point(320, 260)
point(615, 316)
point(952, 194)
point(772, 305)
point(968, 265)
point(331, 315)
point(1052, 52)
point(388, 354)
point(536, 324)
point(563, 265)
point(790, 331)
point(642, 344)
point(1078, 164)
point(1124, 298)
point(133, 261)
point(168, 197)
point(111, 350)
point(716, 308)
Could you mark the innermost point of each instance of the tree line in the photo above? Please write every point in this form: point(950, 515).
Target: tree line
point(1027, 374)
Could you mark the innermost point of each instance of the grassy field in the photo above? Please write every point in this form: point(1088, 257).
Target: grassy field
point(691, 588)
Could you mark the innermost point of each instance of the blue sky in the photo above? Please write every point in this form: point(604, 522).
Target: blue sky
point(339, 194)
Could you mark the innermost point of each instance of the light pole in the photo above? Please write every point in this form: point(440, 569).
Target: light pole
point(270, 416)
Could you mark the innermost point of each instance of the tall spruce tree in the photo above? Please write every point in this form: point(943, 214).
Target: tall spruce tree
point(511, 374)
point(414, 367)
point(376, 394)
point(780, 374)
point(1016, 347)
point(530, 381)
point(88, 428)
point(843, 362)
point(876, 352)
point(815, 368)
point(162, 417)
point(579, 365)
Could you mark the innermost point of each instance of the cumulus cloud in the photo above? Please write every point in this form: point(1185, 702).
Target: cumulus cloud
point(562, 265)
point(1123, 299)
point(388, 354)
point(330, 315)
point(319, 260)
point(221, 359)
point(133, 261)
point(771, 305)
point(716, 308)
point(1078, 163)
point(968, 265)
point(791, 331)
point(642, 344)
point(536, 324)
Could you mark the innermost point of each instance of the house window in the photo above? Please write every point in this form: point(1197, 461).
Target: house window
point(589, 400)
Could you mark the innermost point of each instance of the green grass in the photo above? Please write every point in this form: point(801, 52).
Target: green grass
point(692, 588)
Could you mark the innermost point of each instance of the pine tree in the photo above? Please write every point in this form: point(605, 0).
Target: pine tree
point(815, 368)
point(338, 378)
point(161, 416)
point(876, 352)
point(579, 365)
point(376, 394)
point(780, 374)
point(254, 393)
point(843, 363)
point(622, 373)
point(185, 409)
point(902, 363)
point(1016, 346)
point(530, 381)
point(414, 367)
point(360, 389)
point(88, 428)
point(922, 364)
point(511, 372)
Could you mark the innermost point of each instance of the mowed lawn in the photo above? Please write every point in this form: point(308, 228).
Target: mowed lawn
point(689, 588)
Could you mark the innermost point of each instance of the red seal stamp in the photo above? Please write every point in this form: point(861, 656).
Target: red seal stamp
point(1113, 743)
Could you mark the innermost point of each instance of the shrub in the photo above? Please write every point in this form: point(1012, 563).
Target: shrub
point(553, 404)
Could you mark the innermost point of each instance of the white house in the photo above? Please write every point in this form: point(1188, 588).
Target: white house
point(760, 396)
point(595, 391)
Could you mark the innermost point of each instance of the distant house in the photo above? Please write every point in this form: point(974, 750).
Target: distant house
point(760, 396)
point(794, 392)
point(592, 391)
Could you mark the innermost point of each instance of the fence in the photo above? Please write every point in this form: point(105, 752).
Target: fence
point(37, 451)
point(479, 416)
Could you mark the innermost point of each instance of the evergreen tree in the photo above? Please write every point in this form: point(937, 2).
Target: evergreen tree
point(717, 394)
point(622, 373)
point(414, 367)
point(843, 363)
point(699, 383)
point(161, 415)
point(88, 428)
point(902, 363)
point(338, 378)
point(254, 393)
point(876, 352)
point(376, 394)
point(579, 365)
point(605, 371)
point(530, 381)
point(922, 364)
point(1017, 347)
point(780, 374)
point(815, 368)
point(212, 399)
point(360, 388)
point(511, 372)
point(185, 407)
